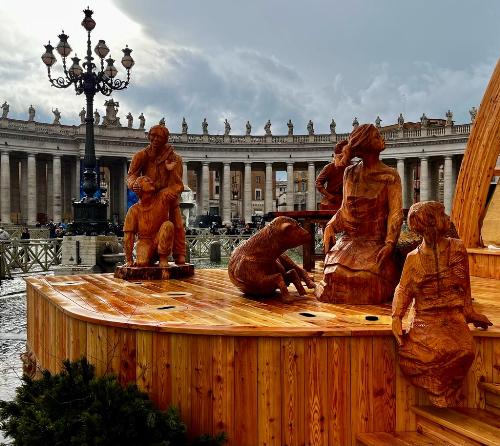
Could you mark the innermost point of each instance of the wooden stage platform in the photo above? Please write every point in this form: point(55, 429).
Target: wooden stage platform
point(267, 373)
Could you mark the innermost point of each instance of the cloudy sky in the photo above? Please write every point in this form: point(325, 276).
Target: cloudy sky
point(263, 59)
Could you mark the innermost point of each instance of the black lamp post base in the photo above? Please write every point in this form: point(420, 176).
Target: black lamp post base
point(90, 218)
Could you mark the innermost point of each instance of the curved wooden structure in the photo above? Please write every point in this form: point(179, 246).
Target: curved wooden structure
point(478, 165)
point(265, 372)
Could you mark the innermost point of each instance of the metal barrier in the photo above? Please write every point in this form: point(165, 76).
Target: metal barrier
point(25, 256)
point(199, 245)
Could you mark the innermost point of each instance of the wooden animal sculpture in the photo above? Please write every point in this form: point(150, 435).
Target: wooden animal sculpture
point(259, 266)
point(438, 349)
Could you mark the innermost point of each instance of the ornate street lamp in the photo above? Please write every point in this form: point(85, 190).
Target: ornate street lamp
point(89, 213)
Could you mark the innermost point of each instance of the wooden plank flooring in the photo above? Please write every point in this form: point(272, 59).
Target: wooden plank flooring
point(208, 303)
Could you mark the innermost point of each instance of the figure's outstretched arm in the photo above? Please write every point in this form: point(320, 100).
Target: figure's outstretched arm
point(402, 300)
point(134, 171)
point(128, 247)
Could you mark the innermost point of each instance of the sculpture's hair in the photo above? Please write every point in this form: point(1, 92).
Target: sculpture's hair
point(164, 129)
point(363, 137)
point(428, 215)
point(340, 146)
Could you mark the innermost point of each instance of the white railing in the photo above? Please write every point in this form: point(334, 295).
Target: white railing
point(461, 129)
point(25, 256)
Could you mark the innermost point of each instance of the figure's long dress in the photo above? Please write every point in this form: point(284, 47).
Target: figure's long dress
point(439, 348)
point(371, 214)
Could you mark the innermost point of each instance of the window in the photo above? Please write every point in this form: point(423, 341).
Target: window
point(257, 179)
point(217, 189)
point(258, 194)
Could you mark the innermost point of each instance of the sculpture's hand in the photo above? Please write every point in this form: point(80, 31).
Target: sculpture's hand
point(479, 320)
point(397, 330)
point(328, 238)
point(384, 252)
point(169, 195)
point(136, 187)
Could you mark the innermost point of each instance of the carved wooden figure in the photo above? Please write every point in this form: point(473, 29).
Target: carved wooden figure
point(259, 266)
point(163, 166)
point(148, 220)
point(361, 268)
point(438, 349)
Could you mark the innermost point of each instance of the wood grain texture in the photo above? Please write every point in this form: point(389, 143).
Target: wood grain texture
point(477, 165)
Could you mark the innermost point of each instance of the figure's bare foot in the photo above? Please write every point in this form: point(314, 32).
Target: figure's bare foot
point(180, 259)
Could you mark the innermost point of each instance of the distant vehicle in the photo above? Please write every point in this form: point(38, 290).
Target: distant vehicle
point(208, 221)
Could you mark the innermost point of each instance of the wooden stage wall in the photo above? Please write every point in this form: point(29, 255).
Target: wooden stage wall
point(260, 390)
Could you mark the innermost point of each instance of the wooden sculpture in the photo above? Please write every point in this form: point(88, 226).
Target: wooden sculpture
point(155, 175)
point(329, 181)
point(438, 349)
point(361, 268)
point(163, 165)
point(259, 266)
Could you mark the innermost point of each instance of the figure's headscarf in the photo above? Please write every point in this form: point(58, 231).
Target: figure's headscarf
point(427, 216)
point(367, 136)
point(164, 129)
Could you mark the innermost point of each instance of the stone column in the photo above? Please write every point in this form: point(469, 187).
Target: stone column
point(247, 192)
point(32, 198)
point(311, 187)
point(56, 186)
point(268, 194)
point(205, 188)
point(5, 186)
point(424, 179)
point(448, 184)
point(404, 183)
point(289, 187)
point(185, 174)
point(226, 193)
point(23, 190)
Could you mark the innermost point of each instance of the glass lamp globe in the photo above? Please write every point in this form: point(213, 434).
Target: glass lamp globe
point(88, 22)
point(48, 57)
point(75, 69)
point(101, 49)
point(63, 47)
point(110, 70)
point(127, 60)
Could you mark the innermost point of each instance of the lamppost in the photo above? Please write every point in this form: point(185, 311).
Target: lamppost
point(89, 213)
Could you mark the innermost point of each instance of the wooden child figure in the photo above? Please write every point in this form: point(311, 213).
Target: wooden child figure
point(149, 220)
point(438, 349)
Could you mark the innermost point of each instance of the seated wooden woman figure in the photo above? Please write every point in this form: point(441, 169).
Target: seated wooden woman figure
point(149, 220)
point(360, 268)
point(438, 349)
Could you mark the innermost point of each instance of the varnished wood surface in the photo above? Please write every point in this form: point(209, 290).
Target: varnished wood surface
point(282, 389)
point(210, 304)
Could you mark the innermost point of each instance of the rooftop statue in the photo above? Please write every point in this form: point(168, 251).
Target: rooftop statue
point(401, 120)
point(449, 117)
point(227, 127)
point(162, 122)
point(330, 179)
point(473, 113)
point(204, 126)
point(97, 117)
point(82, 116)
point(355, 123)
point(361, 268)
point(163, 166)
point(31, 113)
point(424, 120)
point(57, 116)
point(142, 121)
point(5, 109)
point(260, 266)
point(130, 120)
point(267, 128)
point(184, 126)
point(310, 128)
point(248, 128)
point(438, 350)
point(110, 119)
point(290, 127)
point(333, 125)
point(378, 122)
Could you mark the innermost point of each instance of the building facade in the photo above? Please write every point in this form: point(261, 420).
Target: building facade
point(234, 176)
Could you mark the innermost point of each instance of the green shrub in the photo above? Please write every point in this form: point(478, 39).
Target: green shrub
point(76, 408)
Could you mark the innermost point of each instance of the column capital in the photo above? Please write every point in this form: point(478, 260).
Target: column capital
point(56, 155)
point(269, 163)
point(400, 160)
point(424, 157)
point(205, 162)
point(226, 163)
point(311, 163)
point(448, 157)
point(290, 163)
